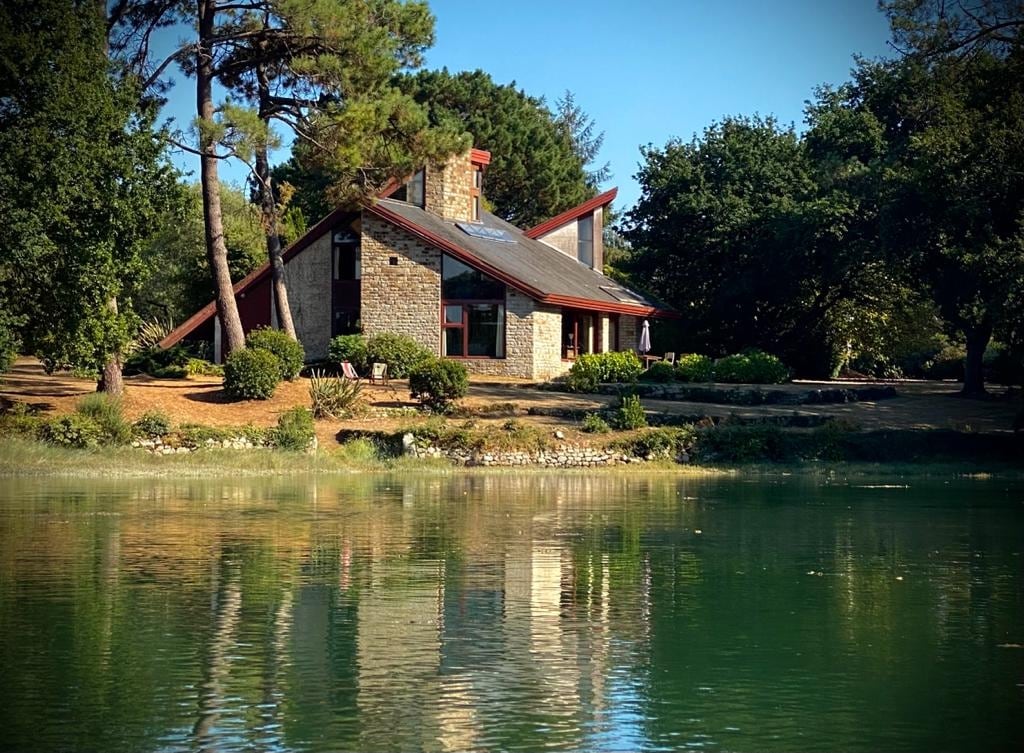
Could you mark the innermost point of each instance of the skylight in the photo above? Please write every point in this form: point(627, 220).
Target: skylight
point(484, 232)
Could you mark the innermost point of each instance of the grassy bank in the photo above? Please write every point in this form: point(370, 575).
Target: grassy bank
point(26, 458)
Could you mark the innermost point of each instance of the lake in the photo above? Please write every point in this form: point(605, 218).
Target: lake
point(512, 612)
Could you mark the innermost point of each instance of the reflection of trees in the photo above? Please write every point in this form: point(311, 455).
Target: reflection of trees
point(474, 611)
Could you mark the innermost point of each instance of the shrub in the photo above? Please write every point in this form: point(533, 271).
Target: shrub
point(202, 367)
point(333, 397)
point(351, 348)
point(692, 367)
point(288, 350)
point(948, 363)
point(401, 353)
point(751, 367)
point(659, 371)
point(438, 382)
point(107, 413)
point(743, 444)
point(594, 424)
point(630, 413)
point(154, 361)
point(72, 430)
point(251, 374)
point(20, 420)
point(152, 423)
point(662, 442)
point(295, 429)
point(169, 372)
point(590, 369)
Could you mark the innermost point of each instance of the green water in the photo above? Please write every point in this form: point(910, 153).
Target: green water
point(511, 612)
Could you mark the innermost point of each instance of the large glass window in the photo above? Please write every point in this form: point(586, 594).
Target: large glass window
point(472, 312)
point(585, 251)
point(412, 190)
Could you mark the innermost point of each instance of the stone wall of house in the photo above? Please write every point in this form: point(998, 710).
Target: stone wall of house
point(404, 297)
point(448, 189)
point(309, 296)
point(629, 332)
point(547, 342)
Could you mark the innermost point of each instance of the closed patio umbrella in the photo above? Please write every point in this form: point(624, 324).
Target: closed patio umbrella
point(645, 338)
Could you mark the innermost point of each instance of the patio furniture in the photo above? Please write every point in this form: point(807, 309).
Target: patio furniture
point(348, 371)
point(379, 373)
point(670, 358)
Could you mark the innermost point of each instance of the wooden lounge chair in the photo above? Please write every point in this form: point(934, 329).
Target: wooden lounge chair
point(379, 373)
point(348, 371)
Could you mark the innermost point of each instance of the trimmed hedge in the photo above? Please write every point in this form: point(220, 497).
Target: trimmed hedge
point(288, 351)
point(437, 383)
point(751, 367)
point(693, 367)
point(251, 374)
point(401, 353)
point(590, 369)
point(351, 348)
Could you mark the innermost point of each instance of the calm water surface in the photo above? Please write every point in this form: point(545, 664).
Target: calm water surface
point(511, 612)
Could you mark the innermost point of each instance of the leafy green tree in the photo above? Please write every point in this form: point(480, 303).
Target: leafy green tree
point(177, 279)
point(535, 172)
point(82, 179)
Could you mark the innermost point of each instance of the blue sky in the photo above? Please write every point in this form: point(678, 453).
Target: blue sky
point(648, 70)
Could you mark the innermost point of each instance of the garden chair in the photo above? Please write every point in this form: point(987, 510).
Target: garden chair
point(379, 373)
point(348, 371)
point(670, 358)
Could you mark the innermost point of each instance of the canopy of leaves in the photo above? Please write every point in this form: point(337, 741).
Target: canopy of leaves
point(81, 181)
point(177, 277)
point(535, 172)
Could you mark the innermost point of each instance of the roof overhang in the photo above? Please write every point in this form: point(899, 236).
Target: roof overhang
point(573, 214)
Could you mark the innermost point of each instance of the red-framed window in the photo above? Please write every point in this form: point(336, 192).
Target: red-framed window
point(579, 332)
point(472, 312)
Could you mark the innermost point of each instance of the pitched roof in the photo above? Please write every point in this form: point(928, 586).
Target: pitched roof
point(602, 200)
point(526, 264)
point(535, 268)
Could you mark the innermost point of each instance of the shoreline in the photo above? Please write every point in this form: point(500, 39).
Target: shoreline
point(25, 459)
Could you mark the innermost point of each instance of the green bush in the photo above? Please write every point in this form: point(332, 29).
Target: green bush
point(288, 351)
point(662, 442)
point(751, 367)
point(163, 363)
point(659, 371)
point(152, 423)
point(590, 369)
point(401, 353)
point(20, 420)
point(333, 397)
point(948, 363)
point(169, 372)
point(593, 423)
point(351, 348)
point(251, 374)
point(438, 382)
point(72, 430)
point(692, 367)
point(108, 414)
point(295, 429)
point(743, 444)
point(630, 413)
point(202, 367)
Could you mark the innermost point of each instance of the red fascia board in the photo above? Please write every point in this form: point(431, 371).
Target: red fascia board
point(258, 274)
point(572, 214)
point(609, 307)
point(479, 157)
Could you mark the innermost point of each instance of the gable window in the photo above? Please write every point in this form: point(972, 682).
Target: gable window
point(585, 244)
point(472, 312)
point(412, 191)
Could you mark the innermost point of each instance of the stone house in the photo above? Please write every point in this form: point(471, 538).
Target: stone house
point(426, 260)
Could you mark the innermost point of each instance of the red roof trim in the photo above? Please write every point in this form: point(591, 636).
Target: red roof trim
point(609, 307)
point(257, 275)
point(479, 157)
point(572, 214)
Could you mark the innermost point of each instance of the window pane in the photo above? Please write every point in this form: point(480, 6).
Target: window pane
point(453, 314)
point(346, 265)
point(586, 241)
point(416, 189)
point(463, 283)
point(486, 323)
point(453, 341)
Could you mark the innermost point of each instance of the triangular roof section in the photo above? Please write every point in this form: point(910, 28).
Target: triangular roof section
point(571, 215)
point(528, 265)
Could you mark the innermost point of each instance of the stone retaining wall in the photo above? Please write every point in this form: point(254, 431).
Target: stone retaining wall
point(564, 456)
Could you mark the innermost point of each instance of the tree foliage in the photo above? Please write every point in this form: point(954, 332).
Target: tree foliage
point(82, 179)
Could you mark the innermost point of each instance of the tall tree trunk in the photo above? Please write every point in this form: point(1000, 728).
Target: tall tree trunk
point(216, 248)
point(269, 210)
point(974, 376)
point(111, 379)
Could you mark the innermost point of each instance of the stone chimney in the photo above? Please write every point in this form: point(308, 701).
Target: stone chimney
point(453, 190)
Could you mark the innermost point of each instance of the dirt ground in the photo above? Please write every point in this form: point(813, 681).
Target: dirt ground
point(919, 405)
